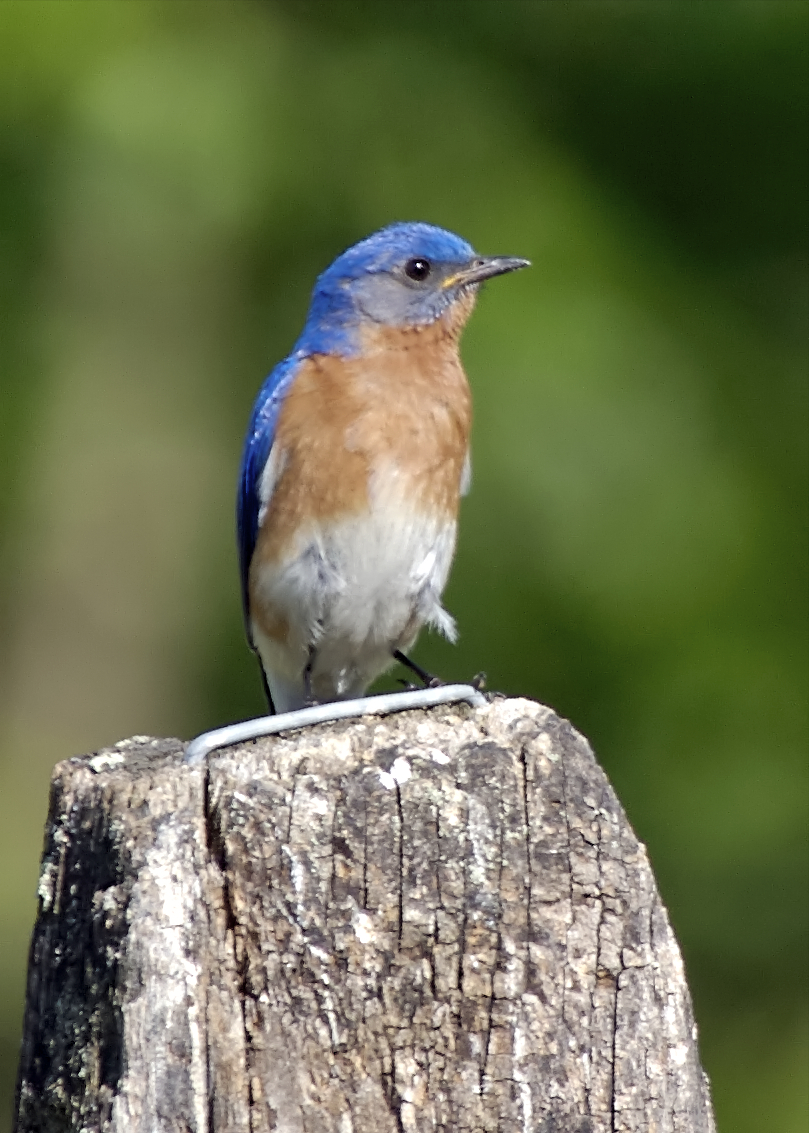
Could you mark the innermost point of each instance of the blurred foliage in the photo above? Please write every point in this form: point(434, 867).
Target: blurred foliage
point(172, 177)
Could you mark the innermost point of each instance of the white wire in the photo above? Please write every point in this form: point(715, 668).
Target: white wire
point(380, 705)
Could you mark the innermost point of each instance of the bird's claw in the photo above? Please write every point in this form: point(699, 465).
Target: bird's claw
point(478, 682)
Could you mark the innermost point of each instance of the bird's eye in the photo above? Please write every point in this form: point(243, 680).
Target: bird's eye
point(417, 269)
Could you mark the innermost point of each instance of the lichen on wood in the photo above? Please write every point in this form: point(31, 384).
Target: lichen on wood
point(439, 920)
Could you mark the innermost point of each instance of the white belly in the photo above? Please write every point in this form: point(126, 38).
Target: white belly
point(355, 590)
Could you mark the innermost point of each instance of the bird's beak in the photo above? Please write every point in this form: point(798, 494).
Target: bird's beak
point(484, 267)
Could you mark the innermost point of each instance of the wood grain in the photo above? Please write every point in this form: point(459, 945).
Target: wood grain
point(439, 920)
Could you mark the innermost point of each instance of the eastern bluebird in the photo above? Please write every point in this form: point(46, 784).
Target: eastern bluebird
point(355, 460)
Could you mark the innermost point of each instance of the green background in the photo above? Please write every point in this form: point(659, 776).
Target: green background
point(172, 177)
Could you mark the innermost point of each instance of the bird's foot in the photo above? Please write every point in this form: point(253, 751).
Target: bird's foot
point(478, 682)
point(408, 686)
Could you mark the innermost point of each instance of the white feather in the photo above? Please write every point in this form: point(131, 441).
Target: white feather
point(270, 475)
point(466, 474)
point(358, 589)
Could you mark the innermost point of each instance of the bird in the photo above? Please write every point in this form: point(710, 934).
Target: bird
point(355, 459)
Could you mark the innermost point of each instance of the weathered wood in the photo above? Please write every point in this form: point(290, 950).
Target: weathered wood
point(434, 921)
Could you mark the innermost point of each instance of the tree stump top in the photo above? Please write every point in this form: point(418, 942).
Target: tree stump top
point(439, 920)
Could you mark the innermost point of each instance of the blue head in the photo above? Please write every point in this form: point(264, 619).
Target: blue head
point(404, 275)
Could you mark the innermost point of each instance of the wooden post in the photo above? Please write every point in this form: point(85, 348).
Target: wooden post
point(439, 920)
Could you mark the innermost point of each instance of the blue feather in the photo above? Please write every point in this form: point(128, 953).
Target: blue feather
point(257, 446)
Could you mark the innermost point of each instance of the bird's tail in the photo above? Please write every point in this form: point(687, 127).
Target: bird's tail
point(285, 695)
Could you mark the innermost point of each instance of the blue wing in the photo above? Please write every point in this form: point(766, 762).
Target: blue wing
point(257, 446)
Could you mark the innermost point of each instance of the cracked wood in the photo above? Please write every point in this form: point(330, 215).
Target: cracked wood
point(439, 920)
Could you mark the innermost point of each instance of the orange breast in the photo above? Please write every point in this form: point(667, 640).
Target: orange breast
point(403, 407)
